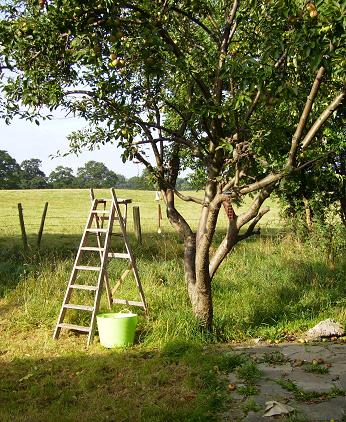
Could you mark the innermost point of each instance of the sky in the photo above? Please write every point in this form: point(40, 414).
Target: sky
point(24, 140)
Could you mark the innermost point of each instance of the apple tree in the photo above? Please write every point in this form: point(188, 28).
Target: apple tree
point(242, 92)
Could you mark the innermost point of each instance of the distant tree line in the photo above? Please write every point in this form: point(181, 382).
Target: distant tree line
point(28, 175)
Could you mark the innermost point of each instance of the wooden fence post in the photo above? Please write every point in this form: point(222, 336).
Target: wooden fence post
point(43, 219)
point(137, 224)
point(22, 226)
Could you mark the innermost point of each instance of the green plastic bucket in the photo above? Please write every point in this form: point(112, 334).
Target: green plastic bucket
point(116, 329)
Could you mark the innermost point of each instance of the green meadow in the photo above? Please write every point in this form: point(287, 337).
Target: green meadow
point(273, 286)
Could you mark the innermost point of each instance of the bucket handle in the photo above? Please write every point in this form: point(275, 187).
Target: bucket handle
point(125, 311)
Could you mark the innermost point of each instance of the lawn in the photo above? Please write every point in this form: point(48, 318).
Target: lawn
point(272, 286)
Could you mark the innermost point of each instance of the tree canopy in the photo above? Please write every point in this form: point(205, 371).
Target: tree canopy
point(93, 174)
point(9, 171)
point(241, 92)
point(32, 177)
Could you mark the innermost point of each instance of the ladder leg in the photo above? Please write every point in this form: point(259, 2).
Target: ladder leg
point(128, 248)
point(139, 285)
point(108, 291)
point(101, 278)
point(106, 279)
point(73, 273)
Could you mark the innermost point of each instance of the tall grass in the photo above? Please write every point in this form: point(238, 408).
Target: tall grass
point(266, 288)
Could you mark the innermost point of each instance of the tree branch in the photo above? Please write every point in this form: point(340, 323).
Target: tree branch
point(196, 21)
point(252, 212)
point(153, 145)
point(188, 198)
point(304, 116)
point(250, 230)
point(224, 248)
point(175, 218)
point(321, 119)
point(253, 105)
point(271, 178)
point(180, 55)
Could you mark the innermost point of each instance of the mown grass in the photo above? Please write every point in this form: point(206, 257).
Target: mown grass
point(112, 386)
point(271, 286)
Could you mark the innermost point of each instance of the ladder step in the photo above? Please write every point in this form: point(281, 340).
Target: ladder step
point(97, 230)
point(84, 267)
point(82, 287)
point(79, 307)
point(92, 248)
point(74, 327)
point(100, 212)
point(119, 255)
point(104, 200)
point(128, 302)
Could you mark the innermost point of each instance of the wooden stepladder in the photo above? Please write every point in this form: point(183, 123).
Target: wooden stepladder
point(97, 230)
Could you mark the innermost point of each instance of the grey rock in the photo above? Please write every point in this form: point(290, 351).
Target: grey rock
point(326, 328)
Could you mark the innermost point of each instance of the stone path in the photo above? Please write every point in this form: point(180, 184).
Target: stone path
point(310, 378)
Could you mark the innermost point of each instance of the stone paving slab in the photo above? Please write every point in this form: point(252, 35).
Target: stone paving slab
point(275, 371)
point(331, 355)
point(321, 383)
point(333, 409)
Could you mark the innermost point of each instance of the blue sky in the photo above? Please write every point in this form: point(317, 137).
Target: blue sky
point(24, 140)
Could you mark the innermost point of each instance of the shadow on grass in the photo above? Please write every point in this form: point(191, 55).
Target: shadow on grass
point(111, 386)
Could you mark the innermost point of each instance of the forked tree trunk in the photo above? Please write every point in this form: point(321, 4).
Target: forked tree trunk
point(199, 267)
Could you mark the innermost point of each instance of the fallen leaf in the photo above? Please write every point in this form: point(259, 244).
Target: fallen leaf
point(274, 408)
point(26, 377)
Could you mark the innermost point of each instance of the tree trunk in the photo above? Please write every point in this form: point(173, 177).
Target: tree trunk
point(343, 210)
point(308, 213)
point(196, 267)
point(198, 284)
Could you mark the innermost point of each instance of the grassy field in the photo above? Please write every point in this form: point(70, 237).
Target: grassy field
point(68, 209)
point(272, 286)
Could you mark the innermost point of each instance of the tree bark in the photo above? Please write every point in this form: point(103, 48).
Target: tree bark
point(343, 210)
point(308, 213)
